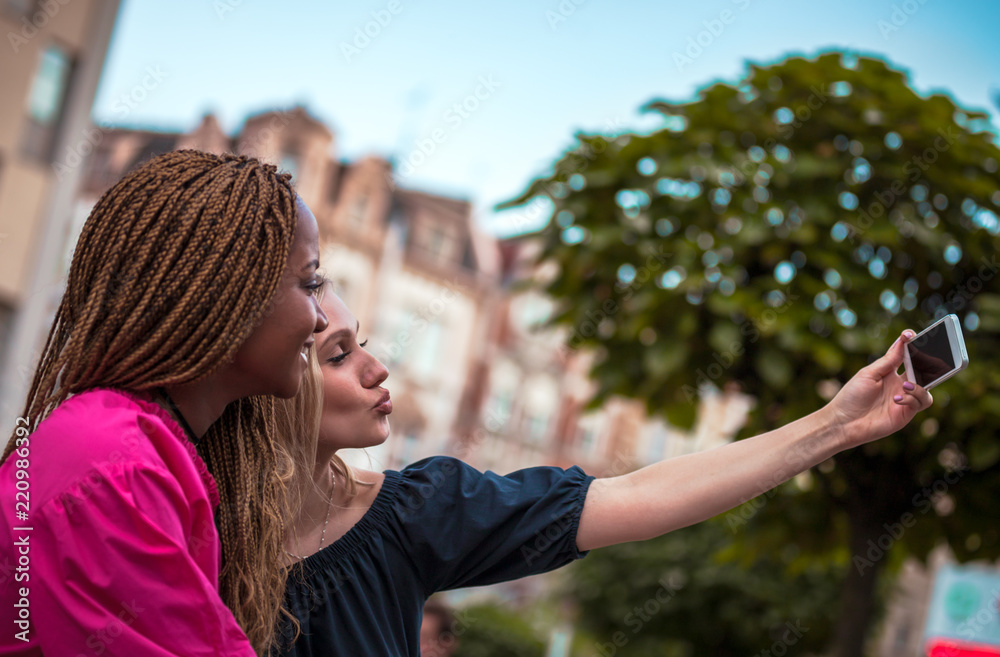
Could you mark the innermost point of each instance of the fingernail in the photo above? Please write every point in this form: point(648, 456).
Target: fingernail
point(898, 398)
point(908, 386)
point(908, 335)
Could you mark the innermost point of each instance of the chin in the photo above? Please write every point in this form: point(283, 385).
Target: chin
point(288, 388)
point(378, 439)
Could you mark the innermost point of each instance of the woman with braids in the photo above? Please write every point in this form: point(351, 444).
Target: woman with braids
point(190, 304)
point(369, 548)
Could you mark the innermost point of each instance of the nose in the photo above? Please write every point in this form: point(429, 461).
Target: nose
point(322, 321)
point(375, 372)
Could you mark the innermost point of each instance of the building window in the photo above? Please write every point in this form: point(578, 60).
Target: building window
point(435, 241)
point(588, 434)
point(536, 427)
point(356, 215)
point(498, 410)
point(46, 102)
point(392, 352)
point(428, 351)
point(540, 396)
point(290, 164)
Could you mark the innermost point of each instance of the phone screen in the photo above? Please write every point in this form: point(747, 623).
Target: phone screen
point(931, 355)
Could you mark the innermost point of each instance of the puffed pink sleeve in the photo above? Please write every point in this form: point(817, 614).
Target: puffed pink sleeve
point(124, 570)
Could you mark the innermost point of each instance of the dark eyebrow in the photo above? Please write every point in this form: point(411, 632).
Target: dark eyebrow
point(313, 264)
point(336, 335)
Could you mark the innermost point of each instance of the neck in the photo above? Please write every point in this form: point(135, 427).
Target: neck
point(322, 468)
point(201, 404)
point(316, 505)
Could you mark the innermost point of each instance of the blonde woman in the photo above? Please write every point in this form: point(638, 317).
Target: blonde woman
point(370, 547)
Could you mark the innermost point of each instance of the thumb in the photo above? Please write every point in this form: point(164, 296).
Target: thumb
point(893, 358)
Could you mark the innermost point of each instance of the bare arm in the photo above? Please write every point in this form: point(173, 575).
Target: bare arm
point(683, 491)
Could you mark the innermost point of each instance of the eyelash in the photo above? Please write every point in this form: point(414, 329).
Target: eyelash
point(341, 357)
point(314, 288)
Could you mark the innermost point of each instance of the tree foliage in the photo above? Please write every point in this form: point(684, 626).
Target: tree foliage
point(670, 596)
point(494, 631)
point(780, 232)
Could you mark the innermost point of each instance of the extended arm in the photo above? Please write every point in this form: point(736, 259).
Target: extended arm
point(683, 491)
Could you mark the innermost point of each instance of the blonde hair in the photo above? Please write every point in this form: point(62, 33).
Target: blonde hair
point(296, 440)
point(173, 270)
point(298, 431)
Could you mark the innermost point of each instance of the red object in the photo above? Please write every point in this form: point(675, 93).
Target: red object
point(956, 648)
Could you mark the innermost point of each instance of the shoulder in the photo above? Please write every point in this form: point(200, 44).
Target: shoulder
point(447, 482)
point(369, 486)
point(97, 422)
point(101, 430)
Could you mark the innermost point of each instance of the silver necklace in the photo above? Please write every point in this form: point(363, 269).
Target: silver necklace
point(322, 536)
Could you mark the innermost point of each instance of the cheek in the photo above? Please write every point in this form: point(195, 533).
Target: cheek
point(337, 393)
point(292, 304)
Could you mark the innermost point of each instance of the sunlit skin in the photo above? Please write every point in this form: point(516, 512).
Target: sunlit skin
point(356, 410)
point(352, 385)
point(640, 505)
point(271, 360)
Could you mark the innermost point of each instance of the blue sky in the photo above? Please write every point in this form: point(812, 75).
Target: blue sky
point(529, 74)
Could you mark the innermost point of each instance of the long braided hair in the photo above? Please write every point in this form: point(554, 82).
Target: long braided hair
point(173, 270)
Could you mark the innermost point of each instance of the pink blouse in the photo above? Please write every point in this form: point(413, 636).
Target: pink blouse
point(110, 548)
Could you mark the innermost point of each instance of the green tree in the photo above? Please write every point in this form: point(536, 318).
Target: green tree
point(671, 596)
point(779, 233)
point(488, 630)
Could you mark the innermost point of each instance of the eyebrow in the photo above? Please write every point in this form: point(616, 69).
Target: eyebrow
point(313, 264)
point(336, 335)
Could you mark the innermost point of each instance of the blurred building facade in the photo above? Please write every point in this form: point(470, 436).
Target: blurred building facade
point(470, 372)
point(56, 51)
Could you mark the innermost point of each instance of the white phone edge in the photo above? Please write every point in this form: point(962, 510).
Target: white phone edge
point(958, 352)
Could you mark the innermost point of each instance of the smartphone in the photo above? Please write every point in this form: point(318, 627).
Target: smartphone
point(936, 354)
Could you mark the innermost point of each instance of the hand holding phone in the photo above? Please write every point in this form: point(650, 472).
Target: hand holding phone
point(936, 354)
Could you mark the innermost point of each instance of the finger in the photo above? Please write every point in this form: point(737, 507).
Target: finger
point(891, 361)
point(908, 400)
point(922, 396)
